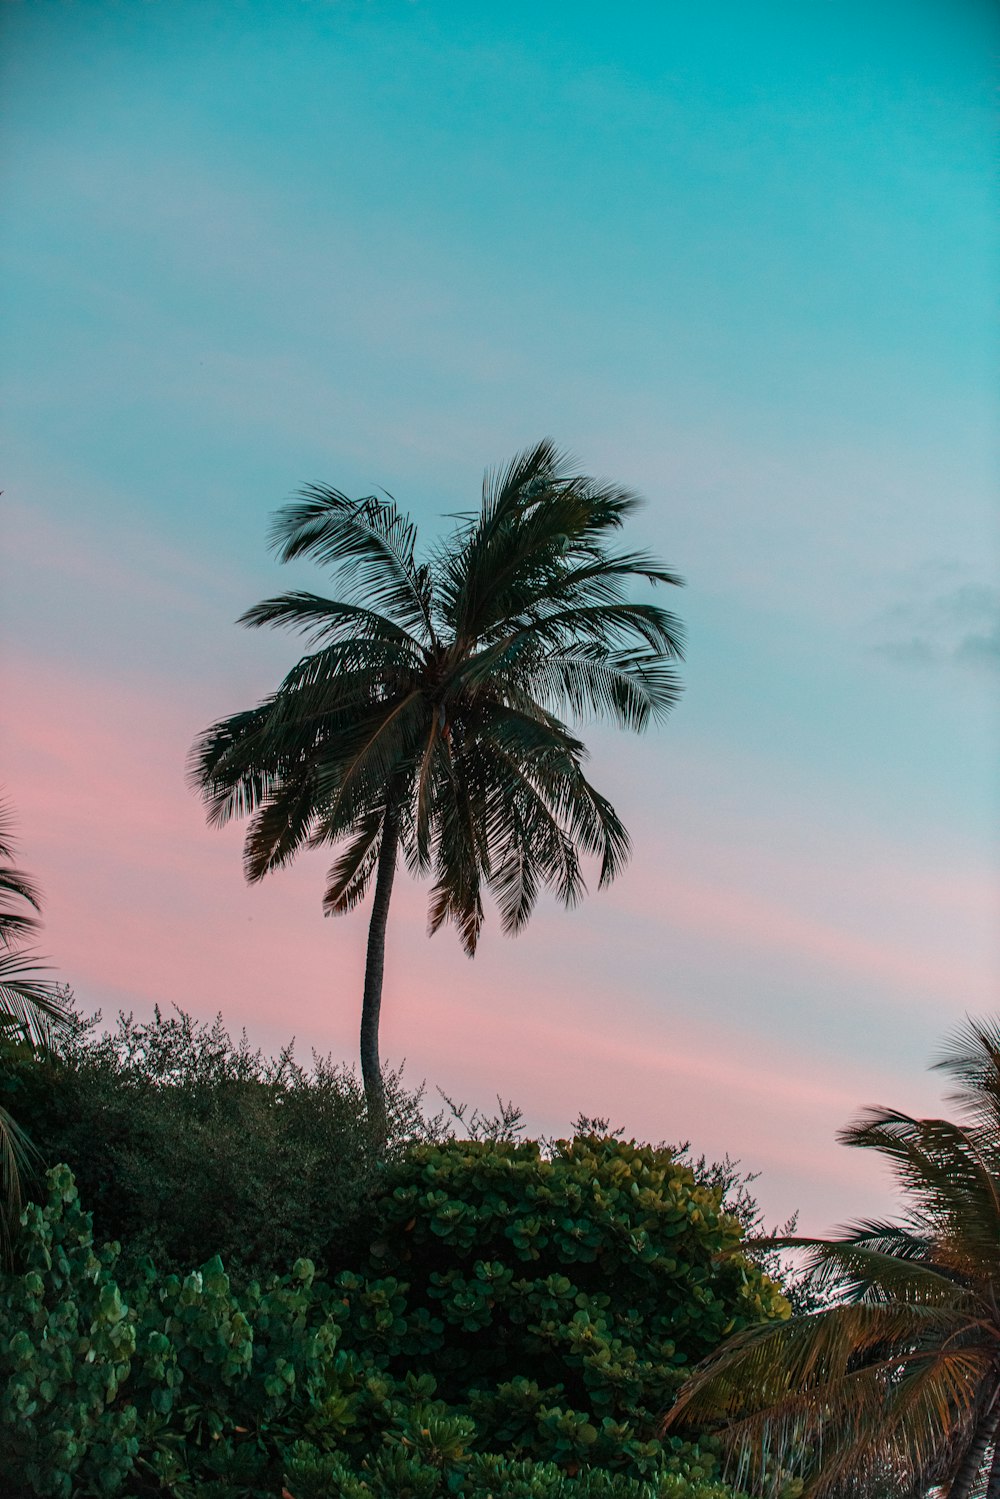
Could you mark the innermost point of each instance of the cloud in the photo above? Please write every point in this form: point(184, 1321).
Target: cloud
point(723, 912)
point(981, 649)
point(945, 617)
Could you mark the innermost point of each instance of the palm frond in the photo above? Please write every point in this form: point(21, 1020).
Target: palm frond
point(344, 675)
point(222, 766)
point(887, 1265)
point(537, 759)
point(17, 889)
point(895, 1388)
point(535, 850)
point(538, 522)
point(370, 542)
point(521, 845)
point(325, 619)
point(281, 826)
point(462, 858)
point(841, 1393)
point(629, 687)
point(945, 1172)
point(350, 874)
point(7, 840)
point(620, 622)
point(432, 763)
point(35, 1006)
point(505, 487)
point(600, 581)
point(971, 1056)
point(15, 925)
point(381, 751)
point(14, 882)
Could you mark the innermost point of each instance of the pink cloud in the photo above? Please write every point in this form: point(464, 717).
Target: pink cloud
point(674, 1079)
point(740, 915)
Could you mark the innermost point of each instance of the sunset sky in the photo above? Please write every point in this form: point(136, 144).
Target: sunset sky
point(741, 258)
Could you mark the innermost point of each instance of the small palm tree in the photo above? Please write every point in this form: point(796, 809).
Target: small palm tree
point(894, 1390)
point(30, 1007)
point(428, 720)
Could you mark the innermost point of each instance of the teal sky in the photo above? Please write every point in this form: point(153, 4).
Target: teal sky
point(742, 258)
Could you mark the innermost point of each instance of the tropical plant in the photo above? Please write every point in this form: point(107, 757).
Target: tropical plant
point(559, 1295)
point(29, 1006)
point(115, 1384)
point(895, 1389)
point(428, 719)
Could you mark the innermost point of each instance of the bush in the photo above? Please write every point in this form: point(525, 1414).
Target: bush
point(185, 1144)
point(181, 1386)
point(399, 1472)
point(492, 1317)
point(557, 1298)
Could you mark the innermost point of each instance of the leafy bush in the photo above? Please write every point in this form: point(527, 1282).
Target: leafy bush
point(401, 1472)
point(185, 1144)
point(492, 1316)
point(558, 1299)
point(181, 1386)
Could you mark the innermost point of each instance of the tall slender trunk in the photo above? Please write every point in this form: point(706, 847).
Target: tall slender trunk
point(993, 1486)
point(962, 1483)
point(371, 1070)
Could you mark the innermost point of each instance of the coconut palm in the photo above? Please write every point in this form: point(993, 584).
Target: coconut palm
point(894, 1390)
point(428, 721)
point(30, 1007)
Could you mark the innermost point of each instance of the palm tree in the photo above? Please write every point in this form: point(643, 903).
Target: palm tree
point(427, 720)
point(893, 1390)
point(30, 1008)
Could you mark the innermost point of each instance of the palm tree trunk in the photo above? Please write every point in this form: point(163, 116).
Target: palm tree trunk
point(993, 1487)
point(965, 1478)
point(371, 1070)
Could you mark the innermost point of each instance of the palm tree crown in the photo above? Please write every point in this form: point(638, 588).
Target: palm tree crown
point(895, 1389)
point(430, 717)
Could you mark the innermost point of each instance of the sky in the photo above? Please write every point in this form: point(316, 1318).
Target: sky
point(742, 259)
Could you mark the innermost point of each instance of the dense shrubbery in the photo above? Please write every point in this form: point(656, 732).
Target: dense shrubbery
point(560, 1298)
point(398, 1473)
point(490, 1317)
point(185, 1144)
point(182, 1385)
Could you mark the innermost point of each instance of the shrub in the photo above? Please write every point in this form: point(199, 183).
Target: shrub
point(557, 1298)
point(181, 1386)
point(186, 1144)
point(400, 1472)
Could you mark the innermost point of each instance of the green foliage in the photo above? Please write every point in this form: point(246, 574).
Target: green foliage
point(178, 1381)
point(186, 1144)
point(415, 1469)
point(66, 1345)
point(513, 1318)
point(182, 1386)
point(558, 1299)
